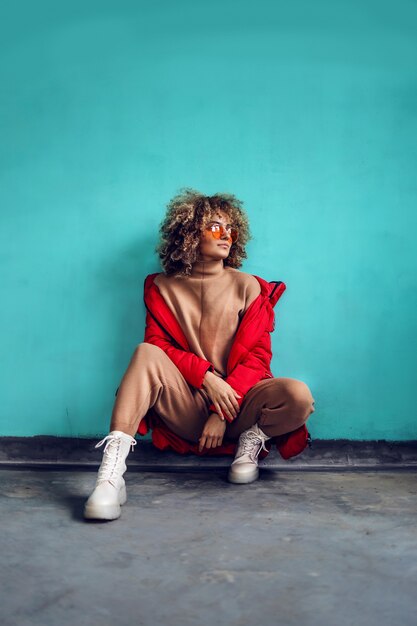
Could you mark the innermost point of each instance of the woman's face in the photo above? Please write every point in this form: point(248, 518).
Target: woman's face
point(214, 249)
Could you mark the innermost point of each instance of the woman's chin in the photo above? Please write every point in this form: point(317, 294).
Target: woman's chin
point(218, 254)
point(221, 256)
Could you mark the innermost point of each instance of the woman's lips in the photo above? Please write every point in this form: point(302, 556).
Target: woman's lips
point(225, 245)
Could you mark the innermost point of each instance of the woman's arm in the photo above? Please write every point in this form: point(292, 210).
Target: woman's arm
point(191, 366)
point(250, 370)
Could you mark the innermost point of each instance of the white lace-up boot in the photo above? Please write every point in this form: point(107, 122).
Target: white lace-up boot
point(244, 468)
point(110, 489)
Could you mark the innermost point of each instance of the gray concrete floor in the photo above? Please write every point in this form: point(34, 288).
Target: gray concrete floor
point(294, 548)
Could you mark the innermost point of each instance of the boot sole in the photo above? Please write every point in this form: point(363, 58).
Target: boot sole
point(242, 480)
point(105, 511)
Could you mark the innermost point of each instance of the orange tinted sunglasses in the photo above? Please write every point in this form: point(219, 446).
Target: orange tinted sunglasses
point(218, 229)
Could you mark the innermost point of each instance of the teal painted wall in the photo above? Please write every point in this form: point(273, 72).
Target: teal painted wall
point(306, 111)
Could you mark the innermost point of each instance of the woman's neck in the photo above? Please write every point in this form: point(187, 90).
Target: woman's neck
point(207, 269)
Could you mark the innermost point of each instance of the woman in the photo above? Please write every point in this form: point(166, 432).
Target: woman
point(201, 378)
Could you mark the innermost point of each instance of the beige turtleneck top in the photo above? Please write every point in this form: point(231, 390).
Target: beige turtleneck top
point(209, 305)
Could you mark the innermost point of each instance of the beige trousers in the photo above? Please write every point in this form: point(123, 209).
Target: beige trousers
point(153, 381)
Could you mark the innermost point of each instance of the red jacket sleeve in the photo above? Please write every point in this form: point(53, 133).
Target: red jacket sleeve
point(191, 366)
point(250, 370)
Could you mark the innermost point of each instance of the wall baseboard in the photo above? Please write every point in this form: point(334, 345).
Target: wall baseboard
point(45, 451)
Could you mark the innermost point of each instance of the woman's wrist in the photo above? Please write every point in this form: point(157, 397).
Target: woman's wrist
point(220, 417)
point(206, 378)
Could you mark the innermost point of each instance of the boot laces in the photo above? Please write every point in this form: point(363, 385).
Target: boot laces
point(251, 444)
point(112, 458)
point(112, 438)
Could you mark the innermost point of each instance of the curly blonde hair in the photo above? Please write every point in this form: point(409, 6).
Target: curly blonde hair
point(188, 213)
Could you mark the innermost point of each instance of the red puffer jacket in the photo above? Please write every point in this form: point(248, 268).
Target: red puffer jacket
point(248, 363)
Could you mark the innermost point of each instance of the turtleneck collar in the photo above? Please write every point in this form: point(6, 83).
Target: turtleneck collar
point(207, 269)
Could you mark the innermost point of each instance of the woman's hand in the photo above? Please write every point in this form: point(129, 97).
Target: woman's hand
point(213, 432)
point(222, 395)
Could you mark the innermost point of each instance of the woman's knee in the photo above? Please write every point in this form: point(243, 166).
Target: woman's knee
point(146, 351)
point(147, 356)
point(298, 394)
